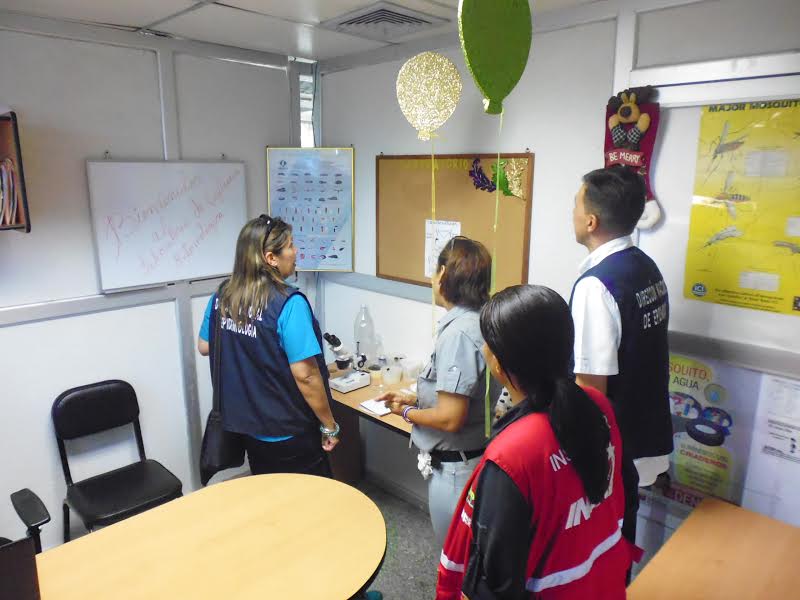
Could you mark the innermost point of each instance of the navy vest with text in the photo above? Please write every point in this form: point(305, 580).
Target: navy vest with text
point(640, 392)
point(258, 394)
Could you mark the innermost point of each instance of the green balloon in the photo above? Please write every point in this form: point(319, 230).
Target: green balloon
point(496, 40)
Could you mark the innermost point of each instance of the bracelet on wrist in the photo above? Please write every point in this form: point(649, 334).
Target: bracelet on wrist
point(406, 410)
point(330, 432)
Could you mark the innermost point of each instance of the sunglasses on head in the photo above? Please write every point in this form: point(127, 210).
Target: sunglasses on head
point(268, 222)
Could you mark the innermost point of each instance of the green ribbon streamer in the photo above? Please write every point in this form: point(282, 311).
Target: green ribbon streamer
point(433, 218)
point(493, 284)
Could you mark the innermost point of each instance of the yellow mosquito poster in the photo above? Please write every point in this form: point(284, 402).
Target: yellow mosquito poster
point(744, 233)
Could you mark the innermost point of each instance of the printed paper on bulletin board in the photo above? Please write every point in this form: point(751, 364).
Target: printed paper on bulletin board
point(744, 234)
point(404, 205)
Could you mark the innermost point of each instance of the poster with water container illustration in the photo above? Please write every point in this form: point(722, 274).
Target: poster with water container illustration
point(312, 190)
point(713, 407)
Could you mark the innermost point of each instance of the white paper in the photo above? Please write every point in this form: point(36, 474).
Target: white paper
point(752, 280)
point(782, 428)
point(437, 234)
point(766, 163)
point(376, 406)
point(773, 477)
point(793, 226)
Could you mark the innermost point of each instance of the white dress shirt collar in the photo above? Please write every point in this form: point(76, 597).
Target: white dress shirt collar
point(602, 252)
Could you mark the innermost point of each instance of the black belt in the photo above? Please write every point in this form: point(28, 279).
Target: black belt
point(444, 456)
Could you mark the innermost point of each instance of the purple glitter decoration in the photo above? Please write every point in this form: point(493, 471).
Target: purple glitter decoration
point(479, 178)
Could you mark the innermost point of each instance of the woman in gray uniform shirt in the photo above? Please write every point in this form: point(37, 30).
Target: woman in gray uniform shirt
point(448, 413)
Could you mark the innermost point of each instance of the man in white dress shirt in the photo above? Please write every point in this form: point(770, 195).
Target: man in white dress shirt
point(620, 308)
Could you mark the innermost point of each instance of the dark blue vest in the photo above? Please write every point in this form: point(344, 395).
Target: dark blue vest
point(640, 392)
point(258, 392)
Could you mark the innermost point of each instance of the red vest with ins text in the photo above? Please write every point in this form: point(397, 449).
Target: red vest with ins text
point(577, 551)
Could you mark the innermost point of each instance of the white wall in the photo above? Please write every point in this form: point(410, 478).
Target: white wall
point(406, 326)
point(236, 110)
point(717, 29)
point(75, 100)
point(41, 360)
point(203, 374)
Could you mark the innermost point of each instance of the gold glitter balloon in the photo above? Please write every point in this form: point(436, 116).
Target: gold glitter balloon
point(515, 173)
point(428, 90)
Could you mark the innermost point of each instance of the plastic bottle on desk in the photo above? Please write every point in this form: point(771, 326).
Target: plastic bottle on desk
point(364, 334)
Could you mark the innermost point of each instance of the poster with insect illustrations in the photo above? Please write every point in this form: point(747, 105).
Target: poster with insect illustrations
point(312, 190)
point(744, 232)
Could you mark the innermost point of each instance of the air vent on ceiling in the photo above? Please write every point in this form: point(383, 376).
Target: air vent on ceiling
point(383, 22)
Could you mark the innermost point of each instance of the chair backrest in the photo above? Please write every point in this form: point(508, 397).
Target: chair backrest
point(93, 408)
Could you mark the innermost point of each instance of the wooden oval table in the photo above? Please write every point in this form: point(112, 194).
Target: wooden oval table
point(268, 536)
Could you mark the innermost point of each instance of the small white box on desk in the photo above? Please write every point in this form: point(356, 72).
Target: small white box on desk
point(352, 381)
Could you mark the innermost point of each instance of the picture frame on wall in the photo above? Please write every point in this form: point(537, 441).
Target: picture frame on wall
point(313, 189)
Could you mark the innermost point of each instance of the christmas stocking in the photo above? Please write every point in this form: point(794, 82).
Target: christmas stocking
point(630, 138)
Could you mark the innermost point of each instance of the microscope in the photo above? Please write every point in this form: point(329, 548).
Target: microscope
point(354, 380)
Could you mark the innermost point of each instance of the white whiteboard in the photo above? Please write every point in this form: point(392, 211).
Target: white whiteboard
point(157, 222)
point(312, 190)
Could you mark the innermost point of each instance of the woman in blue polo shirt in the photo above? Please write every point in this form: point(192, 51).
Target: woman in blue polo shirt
point(273, 379)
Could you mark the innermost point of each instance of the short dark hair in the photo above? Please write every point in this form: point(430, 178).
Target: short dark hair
point(616, 195)
point(468, 273)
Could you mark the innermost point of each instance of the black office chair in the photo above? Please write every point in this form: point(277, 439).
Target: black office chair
point(113, 496)
point(32, 512)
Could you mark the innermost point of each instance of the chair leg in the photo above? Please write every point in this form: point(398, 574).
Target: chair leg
point(66, 522)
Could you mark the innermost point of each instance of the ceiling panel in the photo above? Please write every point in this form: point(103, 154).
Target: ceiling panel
point(234, 27)
point(116, 12)
point(540, 6)
point(282, 26)
point(436, 31)
point(317, 11)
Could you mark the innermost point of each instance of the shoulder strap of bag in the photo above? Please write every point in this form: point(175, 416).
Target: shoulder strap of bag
point(217, 359)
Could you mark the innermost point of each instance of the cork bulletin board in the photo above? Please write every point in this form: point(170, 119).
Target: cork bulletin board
point(404, 203)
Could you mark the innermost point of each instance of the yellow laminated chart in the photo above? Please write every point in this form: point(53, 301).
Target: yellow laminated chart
point(744, 233)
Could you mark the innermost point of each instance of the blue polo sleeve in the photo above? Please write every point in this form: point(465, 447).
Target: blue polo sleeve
point(203, 335)
point(296, 330)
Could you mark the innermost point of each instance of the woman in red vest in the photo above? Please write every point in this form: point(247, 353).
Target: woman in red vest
point(541, 515)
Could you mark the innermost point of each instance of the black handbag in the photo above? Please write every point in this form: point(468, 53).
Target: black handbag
point(221, 449)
